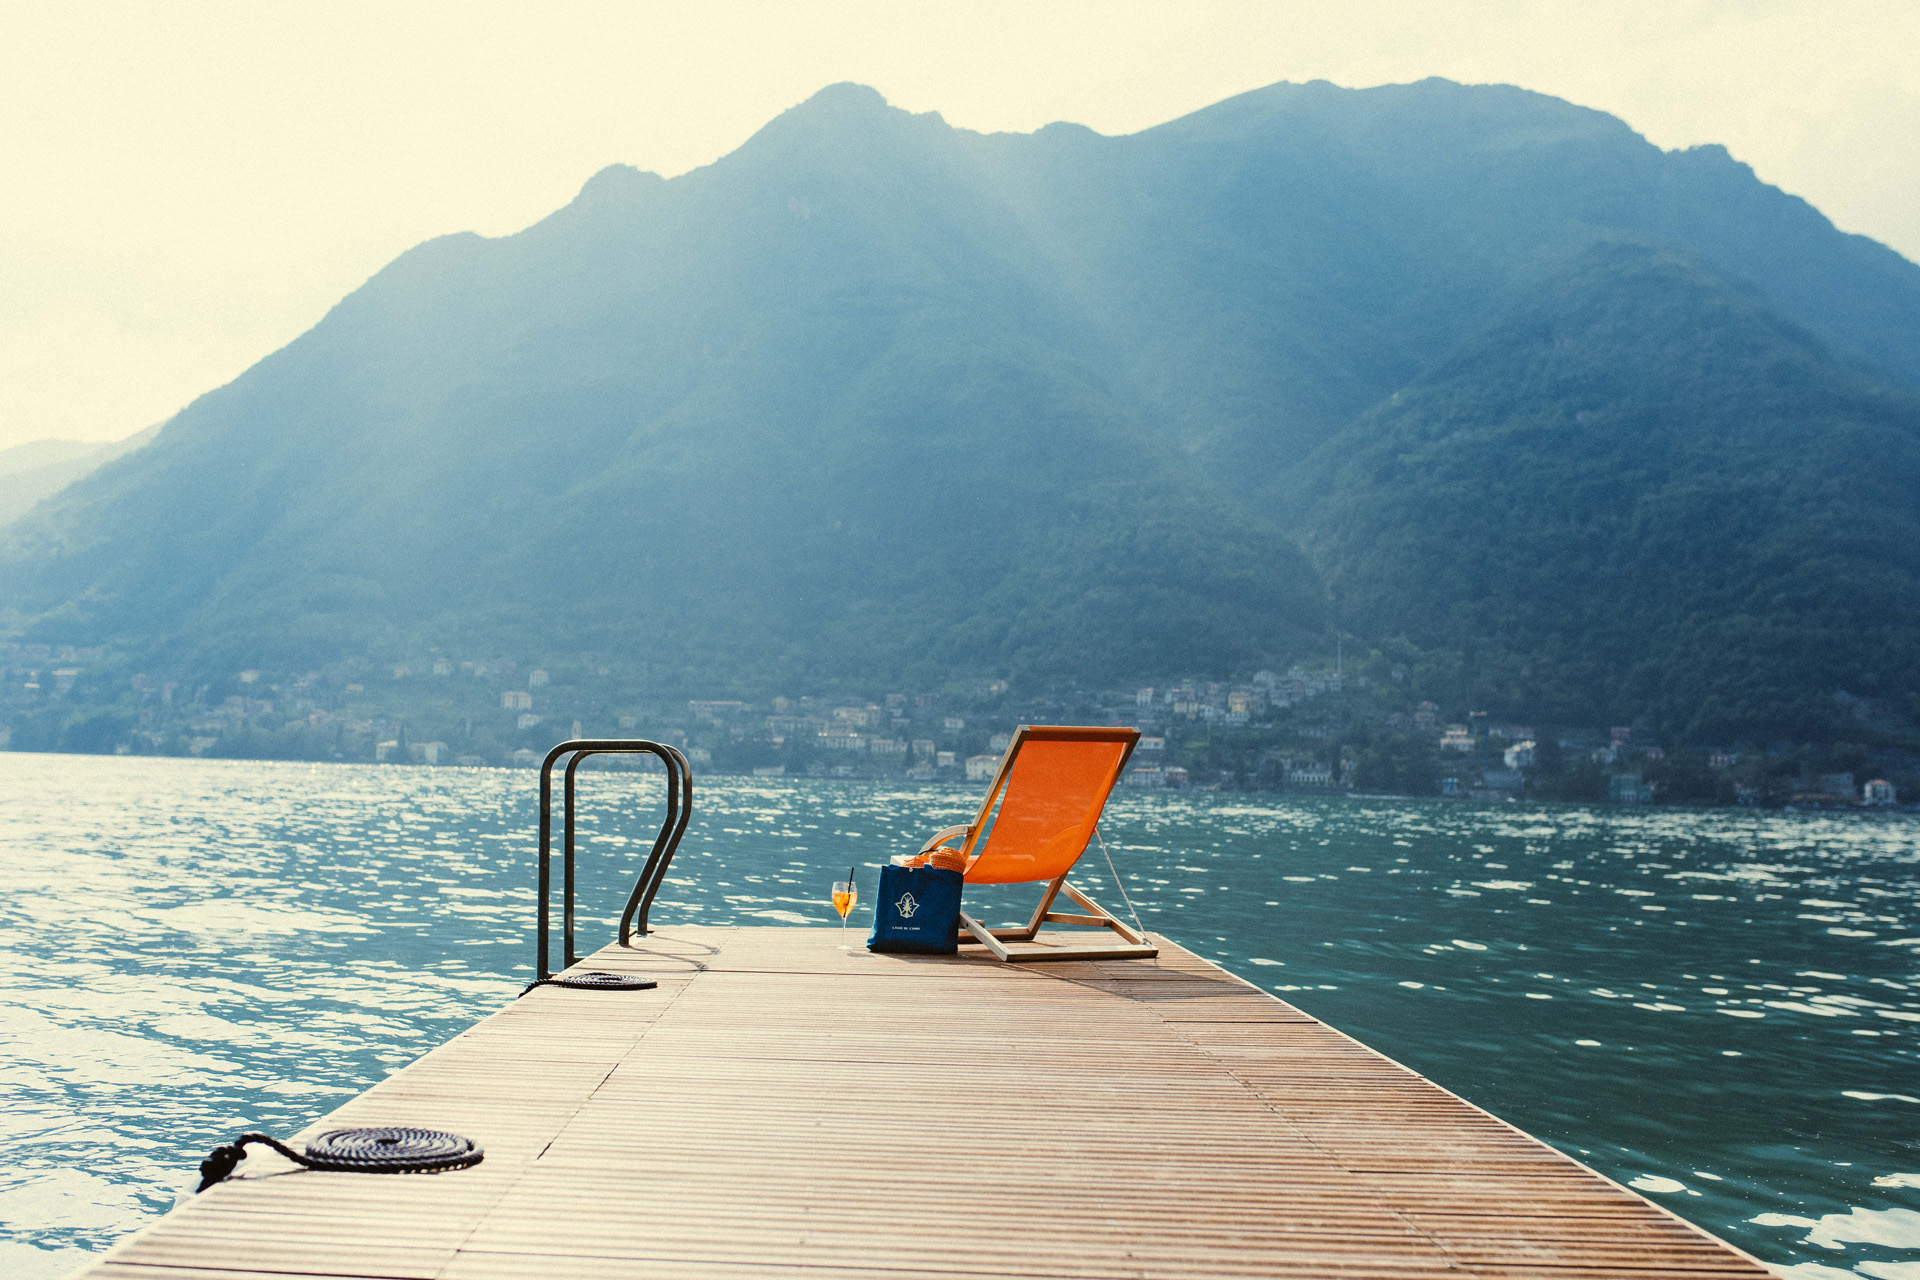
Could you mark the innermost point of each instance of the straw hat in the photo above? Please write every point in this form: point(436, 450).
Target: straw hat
point(948, 859)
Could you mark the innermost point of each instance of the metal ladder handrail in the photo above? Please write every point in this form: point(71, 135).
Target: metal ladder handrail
point(652, 875)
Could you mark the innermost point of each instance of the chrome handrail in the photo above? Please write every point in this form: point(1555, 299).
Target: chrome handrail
point(640, 901)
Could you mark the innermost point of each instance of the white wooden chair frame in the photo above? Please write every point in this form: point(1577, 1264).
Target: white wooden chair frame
point(995, 940)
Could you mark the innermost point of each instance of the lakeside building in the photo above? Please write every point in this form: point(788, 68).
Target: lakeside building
point(1629, 788)
point(1880, 792)
point(839, 740)
point(1498, 784)
point(328, 714)
point(1310, 775)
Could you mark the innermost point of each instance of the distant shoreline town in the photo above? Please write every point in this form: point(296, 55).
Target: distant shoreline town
point(1316, 730)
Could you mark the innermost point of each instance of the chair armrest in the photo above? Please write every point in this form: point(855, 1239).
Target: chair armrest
point(941, 837)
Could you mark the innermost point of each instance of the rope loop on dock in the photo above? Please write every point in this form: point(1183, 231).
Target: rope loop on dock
point(225, 1158)
point(386, 1150)
point(594, 980)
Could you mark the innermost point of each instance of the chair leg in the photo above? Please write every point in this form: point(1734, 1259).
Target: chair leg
point(1040, 912)
point(1032, 927)
point(985, 936)
point(995, 940)
point(1107, 917)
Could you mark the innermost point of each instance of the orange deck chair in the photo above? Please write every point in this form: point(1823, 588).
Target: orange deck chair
point(1052, 786)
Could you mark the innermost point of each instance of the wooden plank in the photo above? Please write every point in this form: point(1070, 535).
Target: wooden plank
point(778, 1106)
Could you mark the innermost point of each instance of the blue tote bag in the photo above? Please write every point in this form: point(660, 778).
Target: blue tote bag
point(918, 911)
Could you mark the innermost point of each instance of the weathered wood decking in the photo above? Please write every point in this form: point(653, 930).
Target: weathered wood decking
point(780, 1107)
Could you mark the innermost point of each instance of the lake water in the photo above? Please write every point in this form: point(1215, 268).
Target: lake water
point(1720, 1008)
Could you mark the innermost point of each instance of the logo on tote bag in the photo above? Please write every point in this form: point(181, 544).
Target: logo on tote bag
point(906, 906)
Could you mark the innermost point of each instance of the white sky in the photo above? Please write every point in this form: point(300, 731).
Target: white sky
point(188, 186)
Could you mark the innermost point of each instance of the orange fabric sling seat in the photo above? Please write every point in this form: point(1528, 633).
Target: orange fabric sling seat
point(1050, 790)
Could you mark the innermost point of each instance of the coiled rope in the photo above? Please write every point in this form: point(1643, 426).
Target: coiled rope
point(594, 980)
point(354, 1151)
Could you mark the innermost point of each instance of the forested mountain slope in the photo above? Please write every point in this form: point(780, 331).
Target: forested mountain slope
point(1638, 488)
point(873, 396)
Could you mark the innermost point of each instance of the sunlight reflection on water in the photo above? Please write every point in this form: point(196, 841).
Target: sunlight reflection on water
point(1720, 1007)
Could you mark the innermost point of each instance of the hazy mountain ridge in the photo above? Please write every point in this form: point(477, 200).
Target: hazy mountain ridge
point(38, 469)
point(874, 396)
point(900, 383)
point(35, 454)
point(1442, 201)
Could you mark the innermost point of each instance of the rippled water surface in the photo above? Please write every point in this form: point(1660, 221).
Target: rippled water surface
point(1720, 1008)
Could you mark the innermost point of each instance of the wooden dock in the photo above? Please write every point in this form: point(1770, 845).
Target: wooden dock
point(778, 1107)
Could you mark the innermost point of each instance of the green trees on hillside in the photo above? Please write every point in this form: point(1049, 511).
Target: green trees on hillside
point(1638, 497)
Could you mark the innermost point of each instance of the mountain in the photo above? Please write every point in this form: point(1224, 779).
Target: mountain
point(1642, 488)
point(40, 468)
point(35, 454)
point(1278, 263)
point(874, 398)
point(805, 413)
